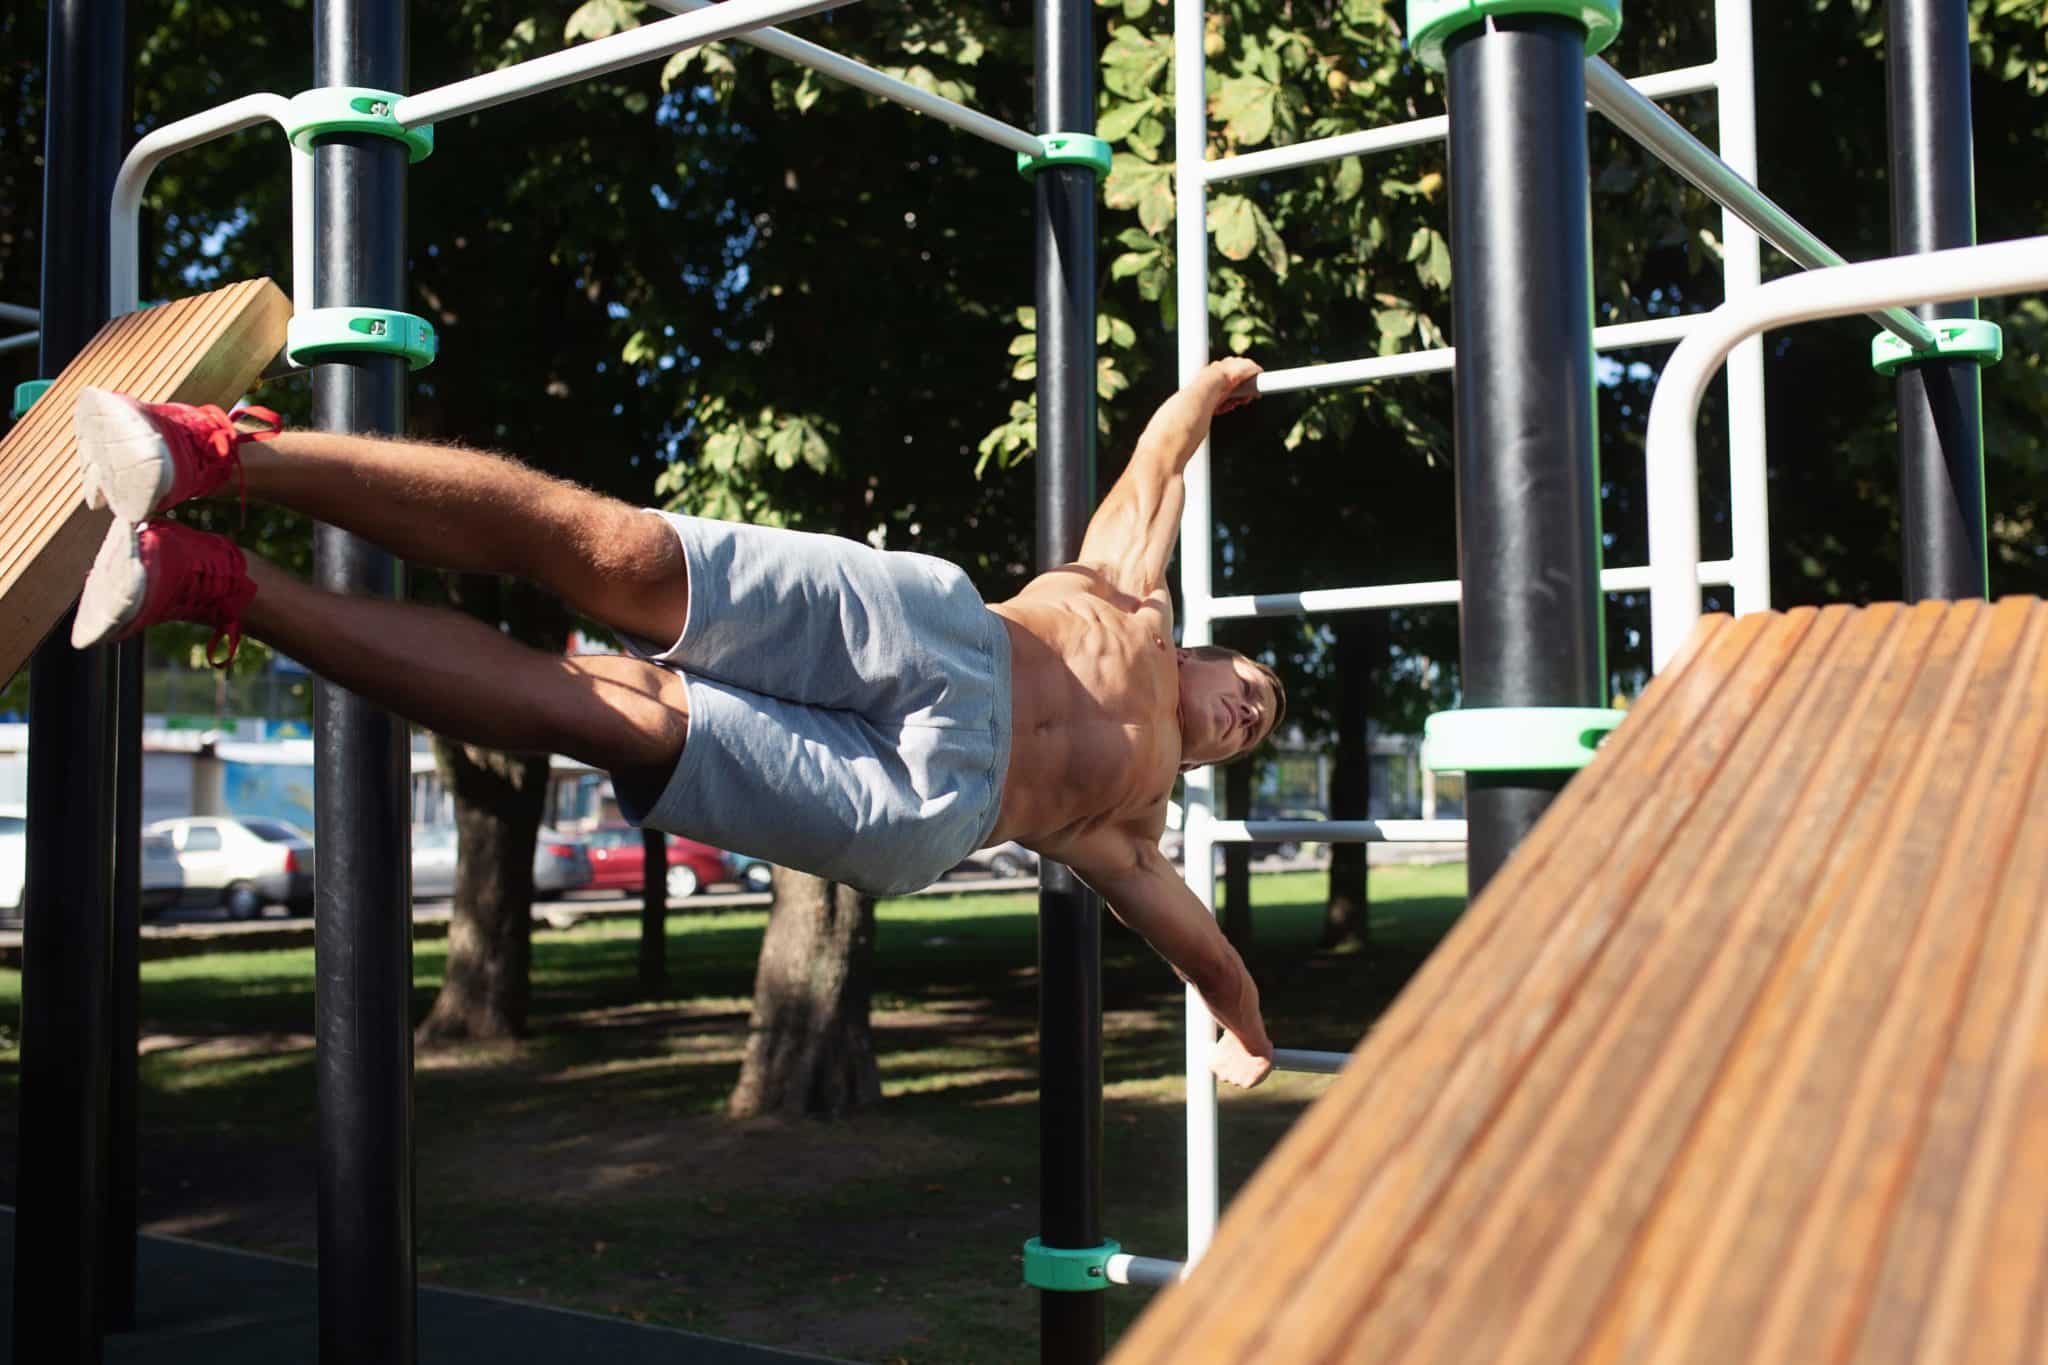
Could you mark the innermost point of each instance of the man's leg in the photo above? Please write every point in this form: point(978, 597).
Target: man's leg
point(469, 511)
point(458, 677)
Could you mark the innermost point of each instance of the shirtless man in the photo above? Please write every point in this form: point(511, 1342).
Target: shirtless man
point(806, 699)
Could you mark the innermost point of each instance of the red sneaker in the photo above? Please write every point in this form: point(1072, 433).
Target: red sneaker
point(140, 458)
point(164, 572)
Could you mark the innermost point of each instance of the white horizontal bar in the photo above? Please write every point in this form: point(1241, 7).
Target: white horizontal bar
point(1372, 141)
point(1148, 1271)
point(614, 53)
point(1935, 277)
point(826, 62)
point(1444, 592)
point(1315, 1063)
point(14, 312)
point(1620, 336)
point(1339, 831)
point(20, 342)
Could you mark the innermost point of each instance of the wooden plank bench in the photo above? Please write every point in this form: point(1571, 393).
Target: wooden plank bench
point(1743, 1056)
point(205, 349)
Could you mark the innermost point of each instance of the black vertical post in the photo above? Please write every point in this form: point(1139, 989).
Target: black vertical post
point(1941, 403)
point(1069, 914)
point(124, 1000)
point(1527, 493)
point(61, 1190)
point(363, 921)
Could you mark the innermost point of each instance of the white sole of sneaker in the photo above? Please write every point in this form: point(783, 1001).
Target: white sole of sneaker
point(113, 590)
point(121, 455)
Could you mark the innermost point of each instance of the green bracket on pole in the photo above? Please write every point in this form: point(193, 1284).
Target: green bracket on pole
point(324, 334)
point(1066, 149)
point(27, 392)
point(1074, 1270)
point(1432, 22)
point(1954, 339)
point(1515, 739)
point(353, 109)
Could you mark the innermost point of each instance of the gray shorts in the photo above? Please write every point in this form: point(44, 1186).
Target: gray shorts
point(849, 708)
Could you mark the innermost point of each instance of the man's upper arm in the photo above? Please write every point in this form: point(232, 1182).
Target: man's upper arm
point(1132, 533)
point(1147, 894)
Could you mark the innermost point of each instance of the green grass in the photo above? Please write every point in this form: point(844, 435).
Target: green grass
point(590, 1165)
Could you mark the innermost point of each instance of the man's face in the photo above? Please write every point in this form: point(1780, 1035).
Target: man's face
point(1225, 707)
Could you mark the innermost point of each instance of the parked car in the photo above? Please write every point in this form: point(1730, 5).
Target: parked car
point(755, 874)
point(1289, 850)
point(243, 862)
point(1005, 860)
point(163, 879)
point(561, 862)
point(618, 861)
point(13, 859)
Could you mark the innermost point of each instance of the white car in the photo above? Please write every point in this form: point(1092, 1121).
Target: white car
point(13, 858)
point(248, 861)
point(561, 862)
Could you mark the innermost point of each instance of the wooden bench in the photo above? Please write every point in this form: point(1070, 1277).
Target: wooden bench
point(206, 349)
point(1742, 1057)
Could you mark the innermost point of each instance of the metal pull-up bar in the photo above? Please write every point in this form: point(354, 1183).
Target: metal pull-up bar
point(828, 63)
point(614, 53)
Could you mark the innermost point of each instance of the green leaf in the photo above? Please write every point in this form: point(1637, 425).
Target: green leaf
point(600, 19)
point(1246, 105)
point(1116, 123)
point(1134, 183)
point(1027, 344)
point(1350, 179)
point(1026, 369)
point(1233, 220)
point(1431, 255)
point(1131, 263)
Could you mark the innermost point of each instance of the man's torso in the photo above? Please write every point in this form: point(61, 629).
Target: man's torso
point(1094, 709)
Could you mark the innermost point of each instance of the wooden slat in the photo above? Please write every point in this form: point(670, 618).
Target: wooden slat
point(1743, 1056)
point(206, 349)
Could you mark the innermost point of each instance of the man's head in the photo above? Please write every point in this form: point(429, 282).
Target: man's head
point(1228, 704)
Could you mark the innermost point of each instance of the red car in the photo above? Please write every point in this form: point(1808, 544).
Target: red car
point(618, 862)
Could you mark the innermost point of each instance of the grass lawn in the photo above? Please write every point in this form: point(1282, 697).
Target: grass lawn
point(590, 1165)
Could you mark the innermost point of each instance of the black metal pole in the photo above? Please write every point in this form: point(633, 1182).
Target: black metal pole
point(61, 1187)
point(1941, 402)
point(1069, 914)
point(363, 925)
point(1527, 490)
point(124, 1000)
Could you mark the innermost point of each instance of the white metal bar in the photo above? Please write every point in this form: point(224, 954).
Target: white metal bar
point(1936, 277)
point(828, 63)
point(614, 53)
point(1373, 141)
point(124, 262)
point(14, 312)
point(1315, 1063)
point(1340, 831)
point(1191, 293)
point(20, 342)
point(1691, 158)
point(1148, 1271)
point(1684, 80)
point(1742, 271)
point(1620, 336)
point(1442, 592)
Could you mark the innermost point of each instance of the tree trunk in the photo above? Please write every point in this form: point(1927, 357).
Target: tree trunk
point(1361, 647)
point(498, 800)
point(654, 915)
point(1237, 860)
point(809, 1051)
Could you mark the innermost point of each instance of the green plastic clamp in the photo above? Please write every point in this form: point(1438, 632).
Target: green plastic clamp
point(27, 392)
point(1515, 739)
point(1066, 149)
point(322, 334)
point(1061, 1268)
point(353, 109)
point(1432, 22)
point(1954, 339)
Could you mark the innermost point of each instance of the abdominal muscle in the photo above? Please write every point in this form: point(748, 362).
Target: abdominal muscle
point(1094, 734)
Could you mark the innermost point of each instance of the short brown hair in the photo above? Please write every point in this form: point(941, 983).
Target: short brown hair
point(1219, 652)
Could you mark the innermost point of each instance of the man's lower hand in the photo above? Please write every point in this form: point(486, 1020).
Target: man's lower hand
point(1237, 1064)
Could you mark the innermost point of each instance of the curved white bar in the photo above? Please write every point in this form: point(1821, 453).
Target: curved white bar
point(826, 62)
point(1441, 592)
point(124, 235)
point(585, 60)
point(1936, 277)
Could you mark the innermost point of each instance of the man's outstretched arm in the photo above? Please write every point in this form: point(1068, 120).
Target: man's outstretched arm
point(1146, 893)
point(1132, 533)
